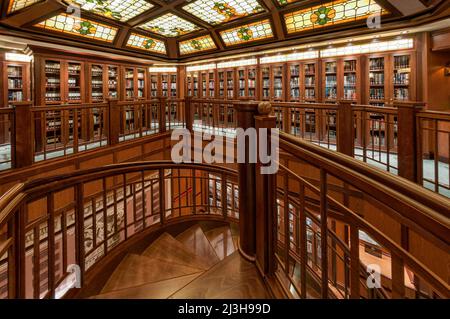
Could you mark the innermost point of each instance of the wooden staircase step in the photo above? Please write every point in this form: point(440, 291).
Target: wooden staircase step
point(136, 270)
point(234, 228)
point(195, 240)
point(156, 290)
point(233, 277)
point(221, 240)
point(167, 248)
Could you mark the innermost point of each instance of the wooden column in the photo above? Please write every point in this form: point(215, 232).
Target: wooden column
point(113, 122)
point(266, 210)
point(407, 143)
point(23, 135)
point(162, 114)
point(345, 128)
point(247, 197)
point(188, 113)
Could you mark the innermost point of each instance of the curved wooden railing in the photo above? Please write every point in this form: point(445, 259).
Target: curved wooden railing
point(323, 194)
point(52, 225)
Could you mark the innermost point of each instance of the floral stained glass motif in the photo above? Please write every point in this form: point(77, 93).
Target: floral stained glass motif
point(16, 5)
point(169, 25)
point(79, 26)
point(122, 10)
point(146, 43)
point(197, 44)
point(220, 11)
point(286, 2)
point(331, 13)
point(247, 33)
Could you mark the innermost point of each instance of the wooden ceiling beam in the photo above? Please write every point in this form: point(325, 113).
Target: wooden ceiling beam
point(276, 19)
point(153, 13)
point(33, 12)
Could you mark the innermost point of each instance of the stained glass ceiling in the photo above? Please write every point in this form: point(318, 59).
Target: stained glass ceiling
point(169, 25)
point(220, 11)
point(194, 26)
point(122, 10)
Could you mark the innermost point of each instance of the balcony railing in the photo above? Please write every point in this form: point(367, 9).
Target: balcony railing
point(53, 225)
point(322, 194)
point(402, 139)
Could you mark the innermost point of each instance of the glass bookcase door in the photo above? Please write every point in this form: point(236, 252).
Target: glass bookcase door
point(165, 85)
point(221, 76)
point(195, 85)
point(251, 82)
point(241, 83)
point(230, 84)
point(265, 80)
point(153, 85)
point(96, 83)
point(278, 85)
point(402, 77)
point(330, 93)
point(377, 81)
point(15, 83)
point(204, 84)
point(129, 83)
point(113, 82)
point(140, 83)
point(53, 81)
point(309, 80)
point(350, 79)
point(211, 85)
point(294, 82)
point(173, 85)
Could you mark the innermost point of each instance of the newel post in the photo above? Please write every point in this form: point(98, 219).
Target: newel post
point(246, 179)
point(162, 114)
point(407, 144)
point(113, 122)
point(23, 134)
point(345, 128)
point(265, 185)
point(188, 113)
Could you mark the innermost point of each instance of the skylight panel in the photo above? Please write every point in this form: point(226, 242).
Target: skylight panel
point(146, 43)
point(247, 33)
point(16, 5)
point(122, 10)
point(199, 44)
point(331, 13)
point(169, 25)
point(220, 11)
point(80, 27)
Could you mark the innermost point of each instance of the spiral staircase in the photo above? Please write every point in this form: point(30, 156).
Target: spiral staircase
point(200, 262)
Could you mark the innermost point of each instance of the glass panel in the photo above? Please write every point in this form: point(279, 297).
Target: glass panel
point(169, 25)
point(146, 43)
point(97, 83)
point(331, 13)
point(79, 27)
point(16, 5)
point(53, 81)
point(330, 80)
point(402, 75)
point(216, 12)
point(113, 81)
point(247, 33)
point(122, 10)
point(197, 44)
point(15, 83)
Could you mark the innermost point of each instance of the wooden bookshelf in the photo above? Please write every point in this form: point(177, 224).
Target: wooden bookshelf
point(246, 82)
point(273, 78)
point(310, 81)
point(16, 82)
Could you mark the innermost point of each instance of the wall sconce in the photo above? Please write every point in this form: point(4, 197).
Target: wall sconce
point(447, 69)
